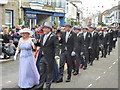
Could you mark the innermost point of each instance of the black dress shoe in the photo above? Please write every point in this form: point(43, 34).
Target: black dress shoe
point(97, 58)
point(91, 64)
point(59, 80)
point(104, 56)
point(68, 80)
point(84, 68)
point(73, 71)
point(101, 56)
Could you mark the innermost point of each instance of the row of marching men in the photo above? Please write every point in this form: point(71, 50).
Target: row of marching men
point(81, 46)
point(75, 46)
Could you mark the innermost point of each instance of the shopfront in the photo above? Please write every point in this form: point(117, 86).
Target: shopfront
point(38, 17)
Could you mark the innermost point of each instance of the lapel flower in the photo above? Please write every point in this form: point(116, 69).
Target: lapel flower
point(94, 33)
point(89, 36)
point(80, 36)
point(70, 35)
point(51, 36)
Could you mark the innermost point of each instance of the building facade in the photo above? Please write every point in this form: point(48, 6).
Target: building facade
point(32, 12)
point(9, 13)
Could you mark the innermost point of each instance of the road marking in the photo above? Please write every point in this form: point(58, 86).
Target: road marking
point(117, 60)
point(114, 63)
point(104, 72)
point(110, 67)
point(8, 82)
point(89, 85)
point(98, 78)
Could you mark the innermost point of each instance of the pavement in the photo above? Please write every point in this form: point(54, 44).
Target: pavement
point(103, 74)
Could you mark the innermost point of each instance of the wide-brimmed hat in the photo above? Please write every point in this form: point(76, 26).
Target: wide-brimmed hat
point(48, 25)
point(26, 30)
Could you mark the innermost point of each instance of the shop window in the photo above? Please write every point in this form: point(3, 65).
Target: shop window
point(9, 18)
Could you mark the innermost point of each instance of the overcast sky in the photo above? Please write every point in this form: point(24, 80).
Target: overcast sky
point(92, 6)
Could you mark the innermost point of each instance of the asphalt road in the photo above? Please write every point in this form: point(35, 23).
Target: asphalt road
point(103, 74)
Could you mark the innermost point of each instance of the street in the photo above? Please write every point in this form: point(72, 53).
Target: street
point(103, 74)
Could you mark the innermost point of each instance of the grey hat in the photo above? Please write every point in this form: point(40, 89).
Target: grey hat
point(97, 29)
point(104, 27)
point(68, 24)
point(48, 25)
point(92, 27)
point(77, 27)
point(85, 27)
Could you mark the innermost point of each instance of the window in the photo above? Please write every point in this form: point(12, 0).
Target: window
point(116, 15)
point(62, 4)
point(57, 3)
point(8, 18)
point(50, 2)
point(40, 1)
point(45, 1)
point(33, 0)
point(119, 14)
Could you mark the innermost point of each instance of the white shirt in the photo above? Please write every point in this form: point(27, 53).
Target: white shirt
point(67, 35)
point(45, 37)
point(78, 34)
point(85, 35)
point(92, 33)
point(105, 34)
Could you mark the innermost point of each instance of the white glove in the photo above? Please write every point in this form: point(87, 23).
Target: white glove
point(57, 57)
point(73, 53)
point(114, 39)
point(89, 48)
point(81, 53)
point(15, 58)
point(16, 53)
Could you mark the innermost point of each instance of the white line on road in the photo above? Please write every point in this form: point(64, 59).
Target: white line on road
point(110, 67)
point(114, 63)
point(117, 60)
point(89, 85)
point(98, 78)
point(8, 82)
point(104, 72)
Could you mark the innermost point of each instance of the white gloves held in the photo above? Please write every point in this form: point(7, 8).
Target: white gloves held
point(15, 56)
point(73, 53)
point(114, 39)
point(57, 57)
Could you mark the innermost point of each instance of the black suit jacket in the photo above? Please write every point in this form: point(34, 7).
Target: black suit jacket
point(95, 40)
point(110, 36)
point(70, 45)
point(105, 39)
point(86, 43)
point(50, 48)
point(79, 43)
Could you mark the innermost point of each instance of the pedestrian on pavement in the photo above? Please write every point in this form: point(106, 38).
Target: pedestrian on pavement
point(28, 74)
